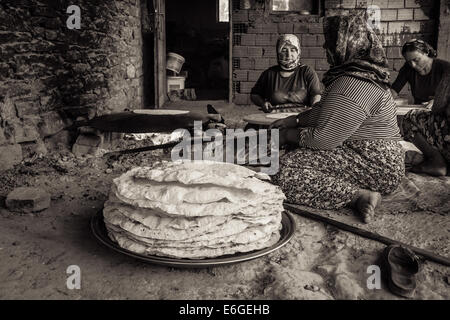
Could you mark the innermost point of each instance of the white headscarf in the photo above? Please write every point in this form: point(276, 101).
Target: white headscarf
point(283, 40)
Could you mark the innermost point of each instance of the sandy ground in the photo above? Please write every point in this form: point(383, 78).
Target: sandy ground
point(320, 262)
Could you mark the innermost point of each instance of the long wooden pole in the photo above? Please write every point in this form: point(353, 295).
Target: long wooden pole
point(367, 234)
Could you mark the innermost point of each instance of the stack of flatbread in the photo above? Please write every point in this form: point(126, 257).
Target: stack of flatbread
point(193, 209)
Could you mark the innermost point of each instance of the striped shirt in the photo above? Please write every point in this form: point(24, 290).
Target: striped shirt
point(350, 109)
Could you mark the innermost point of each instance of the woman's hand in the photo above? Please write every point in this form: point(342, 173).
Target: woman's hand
point(267, 107)
point(288, 122)
point(289, 136)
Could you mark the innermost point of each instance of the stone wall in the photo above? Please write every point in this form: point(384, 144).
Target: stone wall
point(50, 74)
point(256, 29)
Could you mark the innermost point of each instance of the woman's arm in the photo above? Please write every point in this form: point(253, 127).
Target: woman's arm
point(340, 118)
point(401, 79)
point(441, 102)
point(259, 101)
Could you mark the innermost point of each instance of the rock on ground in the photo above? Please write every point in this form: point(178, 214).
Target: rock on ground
point(27, 199)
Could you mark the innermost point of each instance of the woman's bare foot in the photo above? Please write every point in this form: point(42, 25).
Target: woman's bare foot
point(365, 203)
point(432, 166)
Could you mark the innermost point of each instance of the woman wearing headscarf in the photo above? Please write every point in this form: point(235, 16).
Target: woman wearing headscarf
point(430, 132)
point(290, 83)
point(429, 79)
point(422, 70)
point(346, 149)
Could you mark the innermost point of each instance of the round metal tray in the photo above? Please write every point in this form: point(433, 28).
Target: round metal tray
point(287, 231)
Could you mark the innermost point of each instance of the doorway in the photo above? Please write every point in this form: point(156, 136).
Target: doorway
point(198, 31)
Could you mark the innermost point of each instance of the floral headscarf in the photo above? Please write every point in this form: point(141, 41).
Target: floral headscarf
point(354, 49)
point(283, 40)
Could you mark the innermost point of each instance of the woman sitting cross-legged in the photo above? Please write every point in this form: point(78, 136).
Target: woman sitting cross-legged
point(289, 84)
point(347, 150)
point(429, 130)
point(429, 79)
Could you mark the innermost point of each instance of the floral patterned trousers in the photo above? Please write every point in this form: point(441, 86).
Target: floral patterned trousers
point(433, 127)
point(329, 179)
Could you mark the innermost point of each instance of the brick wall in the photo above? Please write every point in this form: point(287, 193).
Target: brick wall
point(257, 28)
point(50, 74)
point(444, 31)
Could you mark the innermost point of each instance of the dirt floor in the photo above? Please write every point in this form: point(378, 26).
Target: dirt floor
point(320, 262)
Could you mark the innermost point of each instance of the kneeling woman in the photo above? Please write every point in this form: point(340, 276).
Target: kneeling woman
point(348, 146)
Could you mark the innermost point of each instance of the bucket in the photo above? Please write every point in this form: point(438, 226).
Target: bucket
point(174, 62)
point(175, 83)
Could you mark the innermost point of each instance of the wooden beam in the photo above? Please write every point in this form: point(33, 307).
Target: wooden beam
point(367, 234)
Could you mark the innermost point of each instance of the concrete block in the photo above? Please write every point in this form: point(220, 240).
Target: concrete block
point(240, 75)
point(396, 4)
point(389, 14)
point(247, 64)
point(269, 28)
point(366, 3)
point(27, 199)
point(381, 3)
point(309, 40)
point(315, 28)
point(264, 40)
point(285, 27)
point(10, 155)
point(301, 27)
point(240, 51)
point(405, 14)
point(255, 52)
point(248, 39)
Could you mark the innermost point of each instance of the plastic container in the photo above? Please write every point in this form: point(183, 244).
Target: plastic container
point(174, 62)
point(175, 83)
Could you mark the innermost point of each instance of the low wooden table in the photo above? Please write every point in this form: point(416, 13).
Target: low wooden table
point(266, 119)
point(263, 120)
point(403, 109)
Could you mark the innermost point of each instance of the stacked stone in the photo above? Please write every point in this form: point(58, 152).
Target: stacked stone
point(49, 72)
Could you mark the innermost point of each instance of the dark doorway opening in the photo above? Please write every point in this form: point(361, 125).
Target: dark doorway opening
point(148, 54)
point(193, 30)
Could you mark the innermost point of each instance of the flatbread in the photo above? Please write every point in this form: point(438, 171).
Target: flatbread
point(193, 209)
point(199, 253)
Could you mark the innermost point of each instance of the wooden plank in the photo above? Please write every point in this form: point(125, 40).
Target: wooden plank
point(369, 235)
